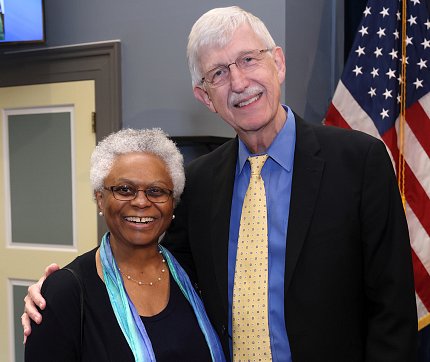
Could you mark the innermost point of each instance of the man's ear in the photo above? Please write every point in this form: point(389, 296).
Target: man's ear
point(201, 95)
point(279, 58)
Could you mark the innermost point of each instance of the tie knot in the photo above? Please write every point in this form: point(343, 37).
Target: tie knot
point(257, 163)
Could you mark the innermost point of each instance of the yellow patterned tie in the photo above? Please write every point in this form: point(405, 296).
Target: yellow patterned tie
point(251, 341)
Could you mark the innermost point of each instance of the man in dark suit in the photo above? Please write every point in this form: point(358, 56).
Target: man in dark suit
point(337, 229)
point(340, 282)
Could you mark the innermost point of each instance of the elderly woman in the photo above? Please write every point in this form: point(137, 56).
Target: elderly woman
point(138, 303)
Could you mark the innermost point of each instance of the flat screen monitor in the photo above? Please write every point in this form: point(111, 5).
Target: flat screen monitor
point(21, 21)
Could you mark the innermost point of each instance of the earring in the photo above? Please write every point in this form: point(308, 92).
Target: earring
point(101, 213)
point(173, 217)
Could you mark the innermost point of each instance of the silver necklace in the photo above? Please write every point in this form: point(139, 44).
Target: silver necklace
point(140, 282)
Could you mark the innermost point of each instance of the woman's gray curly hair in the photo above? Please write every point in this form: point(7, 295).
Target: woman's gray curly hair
point(154, 141)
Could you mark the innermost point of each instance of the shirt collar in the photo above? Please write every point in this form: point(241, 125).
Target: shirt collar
point(282, 148)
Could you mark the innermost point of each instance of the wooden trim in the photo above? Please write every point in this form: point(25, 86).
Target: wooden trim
point(96, 61)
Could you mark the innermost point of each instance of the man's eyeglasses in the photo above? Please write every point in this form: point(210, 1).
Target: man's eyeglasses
point(246, 62)
point(128, 193)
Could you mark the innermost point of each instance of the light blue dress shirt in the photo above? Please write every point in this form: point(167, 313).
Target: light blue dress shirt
point(277, 175)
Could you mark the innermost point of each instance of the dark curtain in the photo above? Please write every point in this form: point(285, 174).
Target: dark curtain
point(353, 14)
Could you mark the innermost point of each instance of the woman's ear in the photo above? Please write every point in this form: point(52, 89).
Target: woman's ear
point(100, 200)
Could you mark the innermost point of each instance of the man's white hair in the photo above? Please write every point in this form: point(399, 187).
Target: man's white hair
point(215, 28)
point(154, 141)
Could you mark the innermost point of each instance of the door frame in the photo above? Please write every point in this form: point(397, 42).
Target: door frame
point(99, 61)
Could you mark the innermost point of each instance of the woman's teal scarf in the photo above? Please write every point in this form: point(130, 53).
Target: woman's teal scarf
point(128, 318)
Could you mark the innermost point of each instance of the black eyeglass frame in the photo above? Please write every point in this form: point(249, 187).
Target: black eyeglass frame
point(150, 198)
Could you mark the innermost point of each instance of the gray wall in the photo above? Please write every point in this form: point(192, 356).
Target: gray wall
point(156, 87)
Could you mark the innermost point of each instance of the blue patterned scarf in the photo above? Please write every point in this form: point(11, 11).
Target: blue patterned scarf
point(129, 320)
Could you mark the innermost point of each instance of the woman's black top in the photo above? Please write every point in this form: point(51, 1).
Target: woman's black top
point(174, 333)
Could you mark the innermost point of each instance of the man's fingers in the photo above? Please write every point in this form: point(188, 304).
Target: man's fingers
point(50, 269)
point(34, 298)
point(31, 311)
point(26, 326)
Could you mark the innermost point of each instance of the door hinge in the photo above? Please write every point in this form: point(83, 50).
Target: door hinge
point(94, 121)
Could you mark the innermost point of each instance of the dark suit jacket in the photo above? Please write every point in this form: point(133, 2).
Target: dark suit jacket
point(349, 293)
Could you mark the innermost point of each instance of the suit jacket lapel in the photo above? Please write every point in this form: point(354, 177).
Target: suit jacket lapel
point(307, 173)
point(221, 192)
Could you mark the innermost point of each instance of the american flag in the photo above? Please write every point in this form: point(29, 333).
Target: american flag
point(369, 97)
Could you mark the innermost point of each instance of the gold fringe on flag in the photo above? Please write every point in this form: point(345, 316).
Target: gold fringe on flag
point(402, 119)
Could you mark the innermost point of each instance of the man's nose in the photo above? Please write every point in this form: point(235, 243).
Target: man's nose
point(238, 79)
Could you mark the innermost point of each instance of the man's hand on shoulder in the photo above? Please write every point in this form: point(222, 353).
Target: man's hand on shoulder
point(34, 298)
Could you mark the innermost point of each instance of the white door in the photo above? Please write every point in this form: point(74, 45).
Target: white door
point(47, 213)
